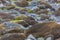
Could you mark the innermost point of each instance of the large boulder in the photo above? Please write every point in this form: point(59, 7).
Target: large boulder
point(13, 30)
point(22, 3)
point(44, 29)
point(10, 6)
point(6, 16)
point(40, 11)
point(14, 36)
point(43, 4)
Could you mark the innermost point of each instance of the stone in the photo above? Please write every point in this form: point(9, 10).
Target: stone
point(22, 3)
point(14, 36)
point(44, 29)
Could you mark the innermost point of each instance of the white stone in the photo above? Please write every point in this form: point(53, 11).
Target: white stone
point(31, 37)
point(1, 5)
point(49, 38)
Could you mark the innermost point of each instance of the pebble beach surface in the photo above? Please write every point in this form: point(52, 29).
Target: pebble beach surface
point(29, 20)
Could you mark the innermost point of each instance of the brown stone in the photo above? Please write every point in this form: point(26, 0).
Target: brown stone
point(13, 37)
point(40, 11)
point(43, 17)
point(25, 24)
point(14, 30)
point(30, 21)
point(22, 3)
point(46, 5)
point(6, 16)
point(57, 13)
point(44, 29)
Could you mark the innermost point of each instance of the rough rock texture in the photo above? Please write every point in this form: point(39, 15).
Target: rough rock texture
point(14, 30)
point(46, 5)
point(43, 17)
point(40, 11)
point(57, 12)
point(30, 20)
point(14, 36)
point(6, 16)
point(58, 39)
point(44, 29)
point(22, 3)
point(2, 28)
point(25, 24)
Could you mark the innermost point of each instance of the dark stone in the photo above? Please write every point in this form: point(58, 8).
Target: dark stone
point(13, 37)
